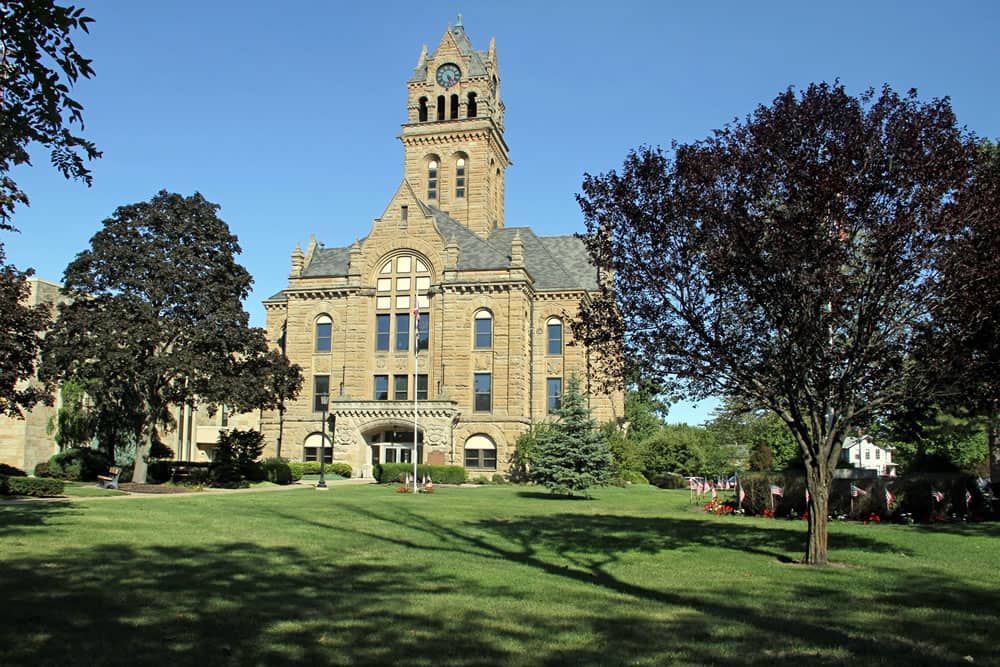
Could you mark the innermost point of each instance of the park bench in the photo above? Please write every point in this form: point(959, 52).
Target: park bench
point(109, 481)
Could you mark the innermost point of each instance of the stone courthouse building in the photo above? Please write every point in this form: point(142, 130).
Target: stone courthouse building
point(442, 319)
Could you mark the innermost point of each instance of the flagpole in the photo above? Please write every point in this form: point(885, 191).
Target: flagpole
point(416, 370)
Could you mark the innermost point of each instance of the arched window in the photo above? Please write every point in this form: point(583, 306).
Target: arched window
point(422, 113)
point(440, 109)
point(460, 178)
point(480, 453)
point(432, 179)
point(483, 330)
point(401, 287)
point(471, 108)
point(324, 333)
point(311, 447)
point(553, 336)
point(454, 106)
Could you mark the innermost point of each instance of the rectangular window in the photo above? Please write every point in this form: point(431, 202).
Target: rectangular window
point(878, 453)
point(400, 387)
point(553, 394)
point(381, 387)
point(382, 333)
point(484, 332)
point(402, 331)
point(422, 387)
point(483, 392)
point(460, 181)
point(554, 338)
point(321, 392)
point(323, 336)
point(404, 215)
point(481, 458)
point(312, 454)
point(423, 331)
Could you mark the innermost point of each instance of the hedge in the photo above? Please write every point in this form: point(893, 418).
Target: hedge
point(393, 473)
point(11, 471)
point(182, 472)
point(912, 498)
point(79, 464)
point(277, 471)
point(39, 487)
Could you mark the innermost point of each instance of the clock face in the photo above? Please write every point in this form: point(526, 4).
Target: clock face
point(448, 75)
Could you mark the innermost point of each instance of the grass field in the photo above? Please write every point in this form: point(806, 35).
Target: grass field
point(479, 576)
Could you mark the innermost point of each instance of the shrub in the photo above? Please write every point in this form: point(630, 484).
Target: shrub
point(667, 480)
point(235, 454)
point(626, 477)
point(394, 473)
point(277, 471)
point(80, 464)
point(38, 487)
point(342, 469)
point(499, 479)
point(11, 471)
point(297, 469)
point(42, 469)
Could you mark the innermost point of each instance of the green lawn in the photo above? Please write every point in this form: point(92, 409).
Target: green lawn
point(479, 576)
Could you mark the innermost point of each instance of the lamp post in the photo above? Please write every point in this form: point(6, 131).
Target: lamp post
point(323, 403)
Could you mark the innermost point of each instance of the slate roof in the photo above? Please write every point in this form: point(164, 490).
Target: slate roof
point(553, 262)
point(477, 59)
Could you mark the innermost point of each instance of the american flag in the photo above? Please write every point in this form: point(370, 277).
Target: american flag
point(743, 494)
point(888, 497)
point(937, 495)
point(807, 496)
point(857, 491)
point(777, 491)
point(968, 498)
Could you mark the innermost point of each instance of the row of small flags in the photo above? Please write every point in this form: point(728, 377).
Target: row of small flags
point(856, 491)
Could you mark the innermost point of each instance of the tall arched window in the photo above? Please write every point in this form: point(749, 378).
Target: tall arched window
point(471, 110)
point(459, 178)
point(483, 337)
point(432, 179)
point(440, 109)
point(324, 333)
point(401, 288)
point(454, 106)
point(422, 113)
point(553, 336)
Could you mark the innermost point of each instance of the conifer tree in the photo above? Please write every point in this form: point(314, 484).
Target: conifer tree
point(573, 455)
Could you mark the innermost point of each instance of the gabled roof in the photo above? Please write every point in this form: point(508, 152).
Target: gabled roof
point(476, 59)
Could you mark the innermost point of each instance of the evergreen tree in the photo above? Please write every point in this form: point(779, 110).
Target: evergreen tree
point(573, 455)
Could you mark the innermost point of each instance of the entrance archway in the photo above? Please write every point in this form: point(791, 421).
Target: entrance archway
point(394, 445)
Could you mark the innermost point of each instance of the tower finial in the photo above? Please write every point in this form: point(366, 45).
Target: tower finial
point(458, 23)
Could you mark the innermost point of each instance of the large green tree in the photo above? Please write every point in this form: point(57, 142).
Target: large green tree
point(39, 64)
point(572, 454)
point(963, 345)
point(21, 326)
point(156, 319)
point(784, 261)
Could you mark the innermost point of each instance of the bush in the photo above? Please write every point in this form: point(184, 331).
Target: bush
point(277, 471)
point(342, 469)
point(235, 459)
point(499, 479)
point(297, 468)
point(11, 471)
point(393, 473)
point(667, 480)
point(79, 464)
point(42, 469)
point(38, 487)
point(626, 477)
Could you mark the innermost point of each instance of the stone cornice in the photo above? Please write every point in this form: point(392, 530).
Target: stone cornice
point(395, 410)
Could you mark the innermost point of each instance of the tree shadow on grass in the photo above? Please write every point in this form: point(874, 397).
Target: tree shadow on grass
point(24, 516)
point(539, 495)
point(588, 550)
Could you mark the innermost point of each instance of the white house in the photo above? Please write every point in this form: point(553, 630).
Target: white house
point(862, 452)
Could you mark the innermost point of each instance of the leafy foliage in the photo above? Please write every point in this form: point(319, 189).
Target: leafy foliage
point(21, 326)
point(676, 449)
point(37, 108)
point(785, 261)
point(573, 454)
point(81, 464)
point(38, 487)
point(156, 319)
point(235, 453)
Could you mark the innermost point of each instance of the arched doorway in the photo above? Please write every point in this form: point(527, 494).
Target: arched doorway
point(394, 445)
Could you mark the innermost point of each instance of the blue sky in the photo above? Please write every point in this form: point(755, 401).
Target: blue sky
point(286, 114)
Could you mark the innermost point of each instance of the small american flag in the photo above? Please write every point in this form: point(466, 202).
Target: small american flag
point(743, 494)
point(937, 495)
point(857, 491)
point(807, 496)
point(777, 491)
point(888, 497)
point(968, 498)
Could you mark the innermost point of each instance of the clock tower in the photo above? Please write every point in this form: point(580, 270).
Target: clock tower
point(455, 154)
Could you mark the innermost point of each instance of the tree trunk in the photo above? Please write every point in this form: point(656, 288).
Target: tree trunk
point(992, 437)
point(142, 449)
point(818, 482)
